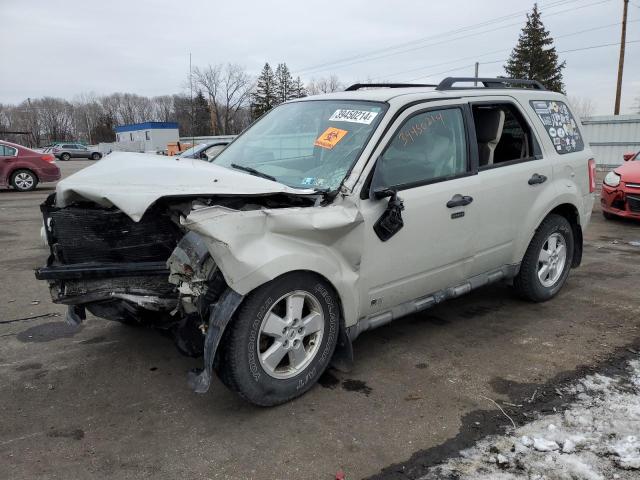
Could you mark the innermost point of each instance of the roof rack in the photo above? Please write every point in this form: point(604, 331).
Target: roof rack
point(449, 82)
point(358, 86)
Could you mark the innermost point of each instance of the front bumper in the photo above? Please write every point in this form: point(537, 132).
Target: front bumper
point(622, 201)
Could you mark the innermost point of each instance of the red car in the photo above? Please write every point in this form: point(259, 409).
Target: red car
point(23, 169)
point(620, 195)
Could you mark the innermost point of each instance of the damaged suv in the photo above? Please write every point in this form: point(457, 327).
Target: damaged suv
point(330, 216)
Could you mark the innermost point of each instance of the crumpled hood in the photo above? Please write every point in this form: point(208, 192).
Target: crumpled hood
point(134, 181)
point(629, 171)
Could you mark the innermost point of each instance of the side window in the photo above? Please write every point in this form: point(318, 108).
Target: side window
point(503, 135)
point(559, 124)
point(6, 151)
point(428, 146)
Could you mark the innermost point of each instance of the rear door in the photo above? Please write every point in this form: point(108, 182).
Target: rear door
point(515, 179)
point(7, 160)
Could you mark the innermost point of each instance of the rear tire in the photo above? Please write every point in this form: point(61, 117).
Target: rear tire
point(281, 339)
point(65, 157)
point(24, 180)
point(547, 261)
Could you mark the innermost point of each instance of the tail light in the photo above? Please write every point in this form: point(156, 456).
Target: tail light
point(48, 158)
point(592, 175)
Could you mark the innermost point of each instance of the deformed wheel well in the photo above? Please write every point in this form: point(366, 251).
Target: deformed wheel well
point(570, 212)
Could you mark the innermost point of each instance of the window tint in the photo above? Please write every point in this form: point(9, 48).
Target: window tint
point(428, 146)
point(502, 133)
point(560, 125)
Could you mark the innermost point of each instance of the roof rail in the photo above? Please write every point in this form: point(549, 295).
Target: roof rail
point(358, 86)
point(449, 82)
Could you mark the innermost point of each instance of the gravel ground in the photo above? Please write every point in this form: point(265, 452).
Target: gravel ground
point(109, 401)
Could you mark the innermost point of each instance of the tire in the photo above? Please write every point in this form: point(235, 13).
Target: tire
point(24, 180)
point(532, 281)
point(96, 156)
point(242, 364)
point(65, 157)
point(608, 216)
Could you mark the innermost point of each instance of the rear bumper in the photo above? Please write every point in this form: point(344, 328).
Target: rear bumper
point(621, 201)
point(50, 173)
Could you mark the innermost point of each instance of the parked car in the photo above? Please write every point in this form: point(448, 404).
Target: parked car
point(23, 168)
point(330, 216)
point(620, 194)
point(205, 151)
point(67, 151)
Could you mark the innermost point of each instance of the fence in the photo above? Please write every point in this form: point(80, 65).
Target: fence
point(612, 136)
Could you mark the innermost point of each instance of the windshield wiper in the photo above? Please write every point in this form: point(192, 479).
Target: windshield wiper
point(253, 171)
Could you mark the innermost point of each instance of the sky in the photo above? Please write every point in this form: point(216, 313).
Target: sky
point(64, 48)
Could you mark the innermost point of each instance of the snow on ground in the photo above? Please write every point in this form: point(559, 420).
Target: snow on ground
point(597, 437)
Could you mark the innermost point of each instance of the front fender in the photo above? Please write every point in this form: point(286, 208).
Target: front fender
point(253, 247)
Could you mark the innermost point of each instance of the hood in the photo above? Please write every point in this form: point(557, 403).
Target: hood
point(629, 171)
point(134, 181)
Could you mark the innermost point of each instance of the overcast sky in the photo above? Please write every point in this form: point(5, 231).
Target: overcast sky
point(63, 48)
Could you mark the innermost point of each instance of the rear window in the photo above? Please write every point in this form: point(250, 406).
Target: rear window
point(7, 151)
point(559, 124)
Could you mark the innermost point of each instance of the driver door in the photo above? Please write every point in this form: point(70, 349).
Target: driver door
point(427, 158)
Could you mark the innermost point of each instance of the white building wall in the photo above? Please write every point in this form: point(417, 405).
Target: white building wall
point(612, 136)
point(149, 139)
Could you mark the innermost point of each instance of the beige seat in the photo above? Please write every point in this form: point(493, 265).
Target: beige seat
point(489, 125)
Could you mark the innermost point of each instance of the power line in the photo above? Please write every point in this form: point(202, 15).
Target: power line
point(339, 64)
point(591, 47)
point(497, 51)
point(363, 57)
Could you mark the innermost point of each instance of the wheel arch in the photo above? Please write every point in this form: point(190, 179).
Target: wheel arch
point(570, 212)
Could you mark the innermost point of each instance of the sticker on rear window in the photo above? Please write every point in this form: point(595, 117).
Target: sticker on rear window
point(330, 137)
point(354, 116)
point(559, 124)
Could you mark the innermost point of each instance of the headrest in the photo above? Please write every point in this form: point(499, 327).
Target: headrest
point(489, 124)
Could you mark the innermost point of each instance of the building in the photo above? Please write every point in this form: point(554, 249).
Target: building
point(611, 136)
point(146, 136)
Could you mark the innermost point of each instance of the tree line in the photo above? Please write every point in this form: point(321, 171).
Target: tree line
point(221, 99)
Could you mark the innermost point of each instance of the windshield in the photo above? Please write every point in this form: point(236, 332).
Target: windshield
point(308, 144)
point(192, 150)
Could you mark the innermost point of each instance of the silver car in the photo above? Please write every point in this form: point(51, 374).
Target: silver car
point(330, 216)
point(67, 151)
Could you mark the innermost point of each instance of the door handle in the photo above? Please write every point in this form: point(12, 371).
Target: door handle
point(459, 201)
point(537, 178)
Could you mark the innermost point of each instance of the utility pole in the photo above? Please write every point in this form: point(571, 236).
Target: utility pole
point(623, 40)
point(475, 84)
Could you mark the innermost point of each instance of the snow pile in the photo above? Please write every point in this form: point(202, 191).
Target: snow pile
point(596, 438)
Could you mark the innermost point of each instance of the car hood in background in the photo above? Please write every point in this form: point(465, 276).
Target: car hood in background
point(134, 181)
point(629, 171)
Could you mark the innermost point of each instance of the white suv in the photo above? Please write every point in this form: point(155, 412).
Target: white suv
point(330, 216)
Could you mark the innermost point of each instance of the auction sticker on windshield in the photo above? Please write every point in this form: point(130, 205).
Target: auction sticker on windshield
point(330, 137)
point(354, 116)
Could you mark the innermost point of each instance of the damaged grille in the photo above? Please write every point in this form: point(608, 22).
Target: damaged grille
point(91, 234)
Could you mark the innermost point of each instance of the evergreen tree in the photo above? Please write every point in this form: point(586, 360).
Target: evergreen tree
point(201, 116)
point(284, 83)
point(265, 97)
point(535, 57)
point(298, 88)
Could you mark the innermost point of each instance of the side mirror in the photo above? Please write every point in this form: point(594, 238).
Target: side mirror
point(390, 222)
point(628, 156)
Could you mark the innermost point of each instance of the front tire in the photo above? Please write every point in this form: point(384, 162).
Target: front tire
point(547, 261)
point(608, 216)
point(24, 180)
point(281, 340)
point(96, 156)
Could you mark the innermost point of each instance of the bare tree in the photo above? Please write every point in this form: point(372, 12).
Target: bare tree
point(582, 106)
point(228, 88)
point(324, 85)
point(163, 109)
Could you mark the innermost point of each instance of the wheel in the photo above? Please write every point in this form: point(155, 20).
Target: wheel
point(65, 157)
point(281, 339)
point(608, 216)
point(547, 261)
point(96, 156)
point(24, 180)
